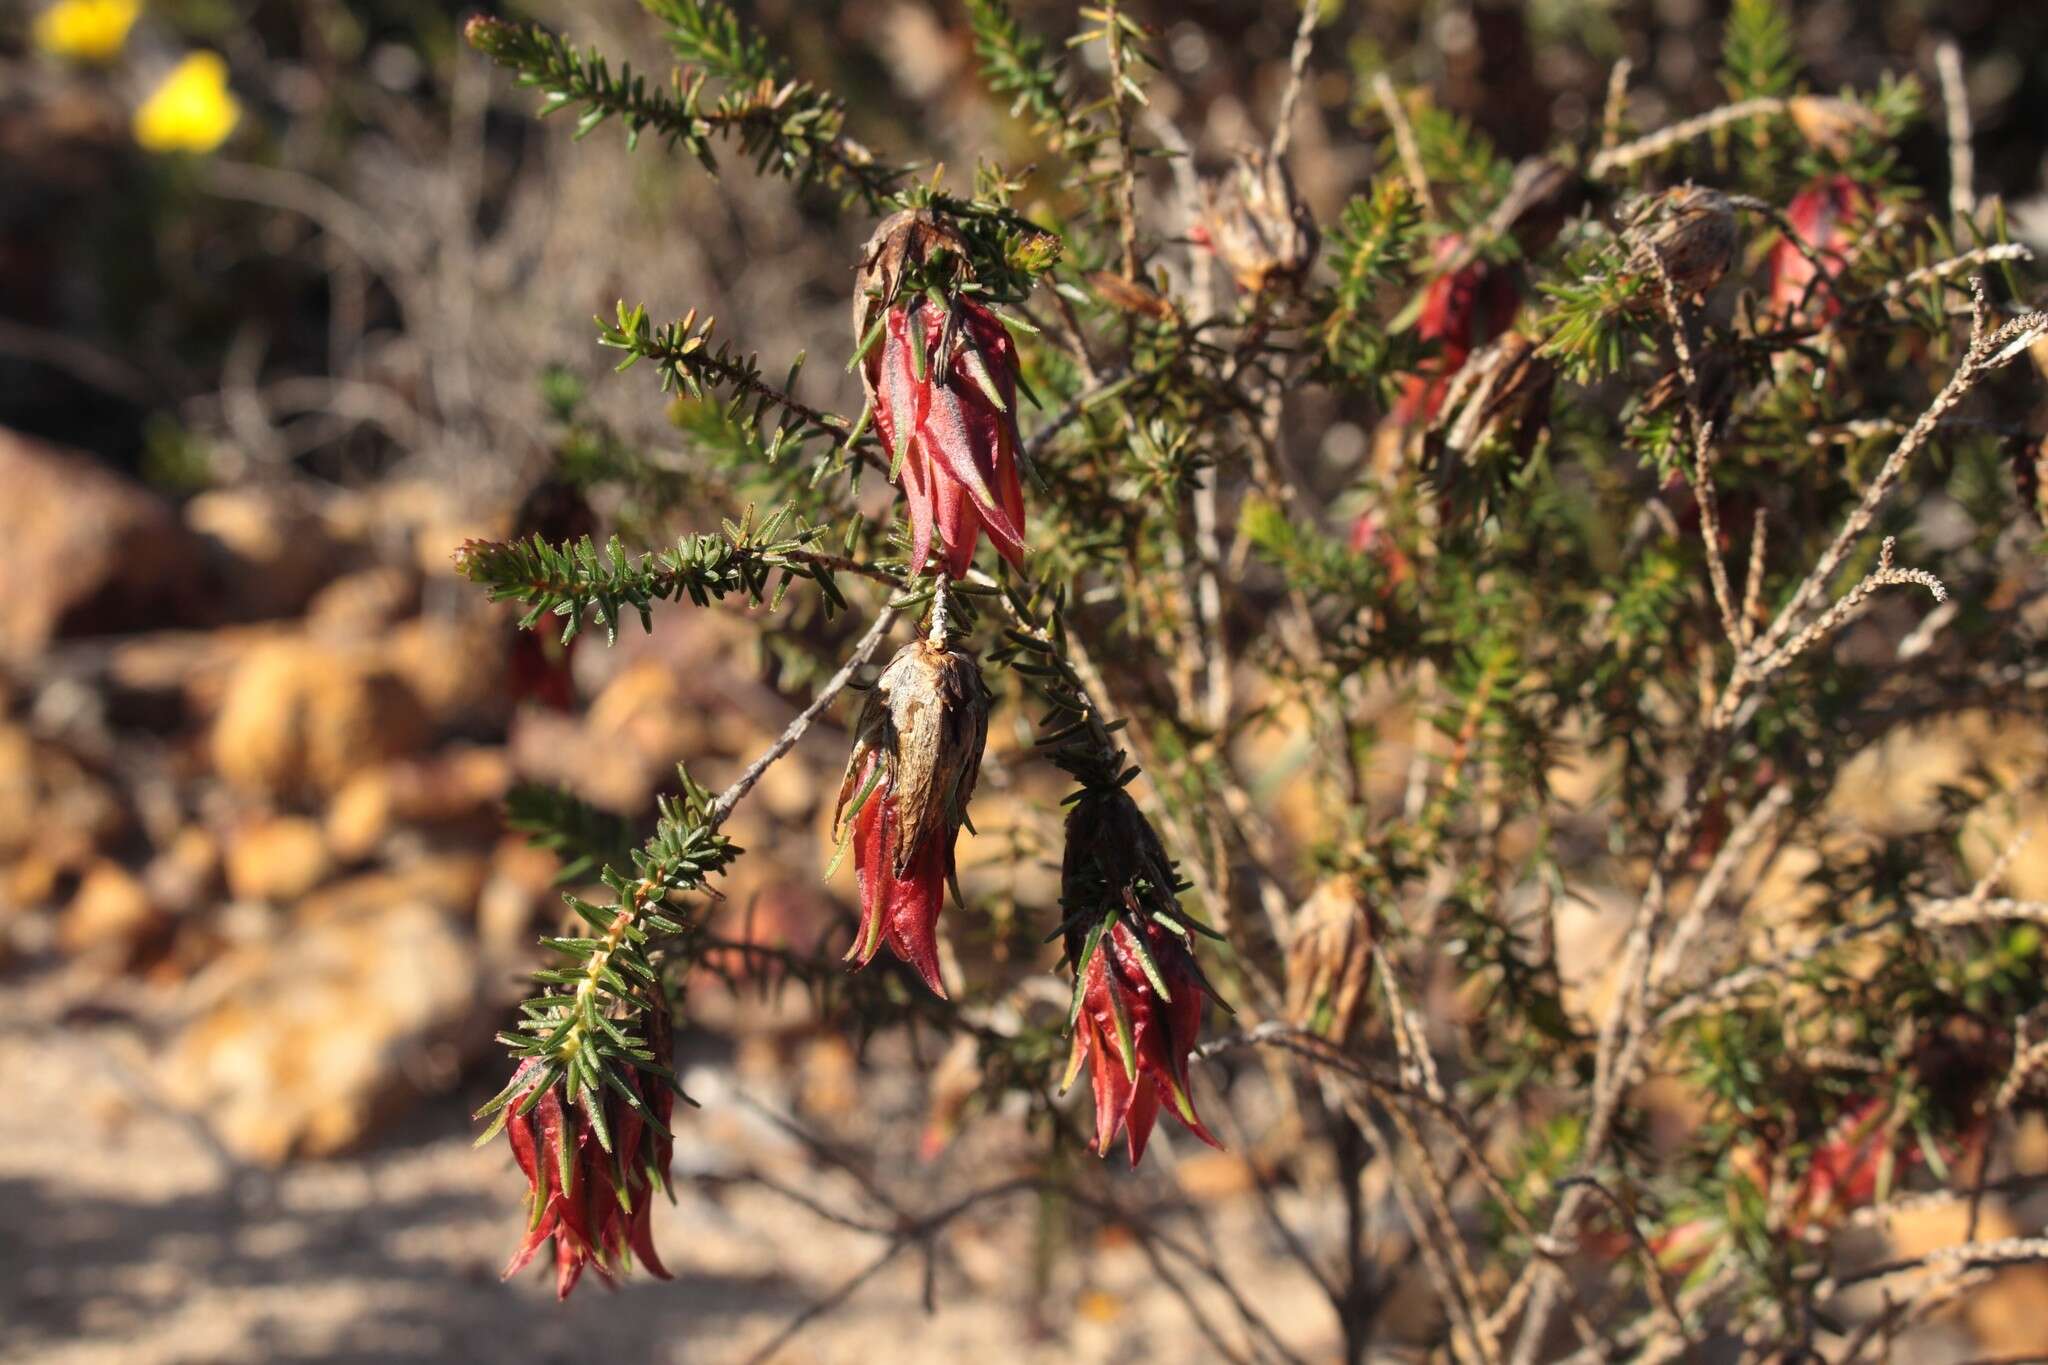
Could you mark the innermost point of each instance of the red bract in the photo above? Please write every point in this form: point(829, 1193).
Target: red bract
point(1135, 1037)
point(1821, 216)
point(916, 755)
point(944, 386)
point(899, 904)
point(594, 1200)
point(1462, 310)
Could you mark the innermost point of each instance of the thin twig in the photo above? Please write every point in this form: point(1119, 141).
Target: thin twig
point(1851, 605)
point(1664, 139)
point(911, 1233)
point(1126, 173)
point(1297, 72)
point(786, 741)
point(1404, 142)
point(1703, 452)
point(1616, 105)
point(1733, 850)
point(1653, 1274)
point(1984, 355)
point(1962, 162)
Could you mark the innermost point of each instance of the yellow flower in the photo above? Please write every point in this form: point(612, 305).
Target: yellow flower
point(192, 111)
point(86, 30)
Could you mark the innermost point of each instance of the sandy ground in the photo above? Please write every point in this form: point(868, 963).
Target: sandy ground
point(131, 1238)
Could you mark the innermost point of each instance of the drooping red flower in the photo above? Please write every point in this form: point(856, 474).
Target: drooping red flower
point(941, 379)
point(591, 1187)
point(1821, 216)
point(1138, 991)
point(1134, 1034)
point(1462, 310)
point(946, 411)
point(916, 755)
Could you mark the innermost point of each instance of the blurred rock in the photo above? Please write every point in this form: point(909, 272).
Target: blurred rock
point(517, 898)
point(789, 789)
point(277, 553)
point(55, 812)
point(314, 1038)
point(111, 920)
point(647, 707)
point(362, 814)
point(644, 722)
point(2003, 1314)
point(459, 786)
point(185, 873)
point(364, 603)
point(1003, 821)
point(88, 552)
point(193, 664)
point(301, 716)
point(277, 859)
point(2014, 825)
point(1208, 1177)
point(828, 1077)
point(456, 668)
point(449, 880)
point(1897, 785)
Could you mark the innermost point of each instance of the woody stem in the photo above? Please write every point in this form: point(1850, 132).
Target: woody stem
point(938, 633)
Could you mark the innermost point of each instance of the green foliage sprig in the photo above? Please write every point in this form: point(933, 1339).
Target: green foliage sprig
point(579, 1031)
point(790, 129)
point(578, 581)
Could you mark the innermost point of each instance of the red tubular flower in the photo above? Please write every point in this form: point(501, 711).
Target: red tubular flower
point(1135, 1031)
point(593, 1196)
point(1820, 215)
point(1462, 310)
point(1138, 992)
point(916, 755)
point(942, 382)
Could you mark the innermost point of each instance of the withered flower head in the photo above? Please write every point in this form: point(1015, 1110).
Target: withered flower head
point(941, 379)
point(1138, 992)
point(1821, 216)
point(916, 755)
point(1329, 964)
point(1256, 224)
point(1691, 229)
point(592, 1166)
point(1503, 389)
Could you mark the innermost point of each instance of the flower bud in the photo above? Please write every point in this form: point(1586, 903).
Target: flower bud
point(916, 755)
point(1329, 964)
point(1690, 229)
point(1137, 1007)
point(1256, 224)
